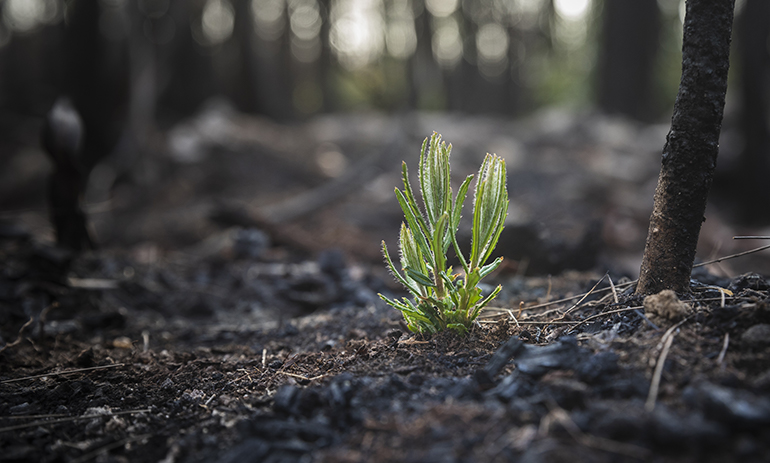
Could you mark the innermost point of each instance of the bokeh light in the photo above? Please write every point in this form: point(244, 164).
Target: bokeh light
point(492, 47)
point(401, 38)
point(217, 21)
point(357, 32)
point(27, 15)
point(268, 16)
point(441, 8)
point(447, 43)
point(572, 10)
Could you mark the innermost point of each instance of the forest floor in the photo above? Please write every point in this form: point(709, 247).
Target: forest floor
point(231, 314)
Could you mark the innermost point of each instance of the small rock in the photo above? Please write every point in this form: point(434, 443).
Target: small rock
point(757, 335)
point(665, 306)
point(122, 342)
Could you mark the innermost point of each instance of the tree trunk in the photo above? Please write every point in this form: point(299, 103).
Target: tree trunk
point(690, 153)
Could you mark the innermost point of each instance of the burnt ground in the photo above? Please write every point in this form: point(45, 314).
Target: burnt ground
point(213, 325)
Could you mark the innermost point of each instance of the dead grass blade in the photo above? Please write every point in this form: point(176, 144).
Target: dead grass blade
point(60, 373)
point(667, 340)
point(70, 419)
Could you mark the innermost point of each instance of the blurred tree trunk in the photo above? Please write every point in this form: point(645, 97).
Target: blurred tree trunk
point(629, 45)
point(97, 78)
point(690, 153)
point(753, 31)
point(325, 61)
point(425, 76)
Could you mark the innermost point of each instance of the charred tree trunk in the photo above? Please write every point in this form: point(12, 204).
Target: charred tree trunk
point(690, 153)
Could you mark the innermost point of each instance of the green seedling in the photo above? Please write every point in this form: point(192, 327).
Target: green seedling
point(443, 299)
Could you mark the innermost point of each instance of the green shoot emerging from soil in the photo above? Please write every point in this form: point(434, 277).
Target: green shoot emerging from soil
point(443, 299)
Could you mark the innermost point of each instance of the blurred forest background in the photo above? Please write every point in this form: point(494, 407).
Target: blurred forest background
point(136, 68)
point(289, 59)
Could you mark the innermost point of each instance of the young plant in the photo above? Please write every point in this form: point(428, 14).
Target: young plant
point(443, 299)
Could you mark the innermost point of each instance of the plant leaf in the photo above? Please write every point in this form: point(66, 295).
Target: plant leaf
point(396, 274)
point(419, 277)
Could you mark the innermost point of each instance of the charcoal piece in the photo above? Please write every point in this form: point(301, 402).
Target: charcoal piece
point(282, 430)
point(250, 243)
point(538, 360)
point(512, 386)
point(740, 408)
point(285, 399)
point(598, 368)
point(567, 393)
point(683, 432)
point(485, 376)
point(615, 420)
point(749, 281)
point(757, 335)
point(249, 451)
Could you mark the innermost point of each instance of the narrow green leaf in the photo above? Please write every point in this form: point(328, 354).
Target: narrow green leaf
point(410, 198)
point(419, 234)
point(396, 274)
point(419, 277)
point(483, 303)
point(487, 269)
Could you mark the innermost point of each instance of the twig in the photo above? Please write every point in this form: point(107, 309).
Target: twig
point(29, 417)
point(609, 312)
point(510, 312)
point(70, 419)
point(410, 341)
point(732, 256)
point(751, 237)
point(633, 282)
point(649, 322)
point(18, 337)
point(577, 304)
point(66, 372)
point(302, 377)
point(614, 291)
point(722, 352)
point(652, 396)
point(577, 296)
point(488, 322)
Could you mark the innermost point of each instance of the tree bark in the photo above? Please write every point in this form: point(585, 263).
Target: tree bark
point(690, 154)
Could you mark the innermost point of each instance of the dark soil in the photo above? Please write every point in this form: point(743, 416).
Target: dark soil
point(264, 341)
